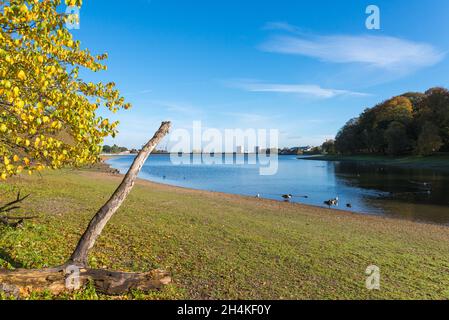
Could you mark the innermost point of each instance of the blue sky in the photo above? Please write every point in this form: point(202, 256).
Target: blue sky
point(303, 67)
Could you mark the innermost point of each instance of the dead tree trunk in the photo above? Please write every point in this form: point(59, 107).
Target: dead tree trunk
point(58, 279)
point(96, 226)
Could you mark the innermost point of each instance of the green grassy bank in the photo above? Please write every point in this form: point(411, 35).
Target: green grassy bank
point(225, 246)
point(436, 162)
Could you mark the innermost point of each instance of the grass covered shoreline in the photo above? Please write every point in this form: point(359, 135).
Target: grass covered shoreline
point(220, 246)
point(436, 162)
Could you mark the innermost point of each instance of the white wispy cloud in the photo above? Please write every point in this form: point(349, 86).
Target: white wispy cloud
point(376, 51)
point(278, 25)
point(176, 107)
point(302, 89)
point(248, 117)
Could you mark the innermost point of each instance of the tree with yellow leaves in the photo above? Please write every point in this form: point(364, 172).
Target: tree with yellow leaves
point(48, 115)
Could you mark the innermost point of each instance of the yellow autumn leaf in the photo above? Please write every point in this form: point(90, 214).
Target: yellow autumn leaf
point(23, 8)
point(21, 75)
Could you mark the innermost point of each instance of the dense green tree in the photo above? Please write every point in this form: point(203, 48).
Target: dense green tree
point(370, 138)
point(347, 140)
point(398, 142)
point(434, 108)
point(429, 141)
point(106, 149)
point(328, 147)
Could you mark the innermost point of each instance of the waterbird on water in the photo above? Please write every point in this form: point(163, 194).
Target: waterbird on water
point(332, 202)
point(287, 196)
point(425, 184)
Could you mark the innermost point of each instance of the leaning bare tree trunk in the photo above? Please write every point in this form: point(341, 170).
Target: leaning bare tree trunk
point(75, 274)
point(96, 226)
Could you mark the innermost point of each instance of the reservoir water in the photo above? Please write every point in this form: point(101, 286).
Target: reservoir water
point(412, 194)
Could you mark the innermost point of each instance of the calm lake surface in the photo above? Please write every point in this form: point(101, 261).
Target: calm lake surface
point(411, 194)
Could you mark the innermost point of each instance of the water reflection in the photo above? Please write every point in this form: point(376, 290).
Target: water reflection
point(366, 188)
point(415, 194)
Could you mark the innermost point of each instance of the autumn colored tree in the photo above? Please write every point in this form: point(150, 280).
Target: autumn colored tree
point(414, 97)
point(398, 109)
point(48, 114)
point(409, 123)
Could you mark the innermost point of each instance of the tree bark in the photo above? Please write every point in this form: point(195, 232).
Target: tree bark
point(20, 283)
point(97, 224)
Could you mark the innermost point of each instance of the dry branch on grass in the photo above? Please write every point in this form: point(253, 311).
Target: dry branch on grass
point(7, 208)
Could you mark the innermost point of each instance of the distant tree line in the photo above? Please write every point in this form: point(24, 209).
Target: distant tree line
point(412, 123)
point(114, 149)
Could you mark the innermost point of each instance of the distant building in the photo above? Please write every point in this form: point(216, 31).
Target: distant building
point(257, 150)
point(239, 150)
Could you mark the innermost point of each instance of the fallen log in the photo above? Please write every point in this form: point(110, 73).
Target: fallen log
point(75, 274)
point(22, 282)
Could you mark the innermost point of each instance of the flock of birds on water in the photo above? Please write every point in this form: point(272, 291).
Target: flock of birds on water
point(288, 197)
point(335, 201)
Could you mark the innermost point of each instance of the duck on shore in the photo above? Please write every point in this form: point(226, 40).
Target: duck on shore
point(287, 196)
